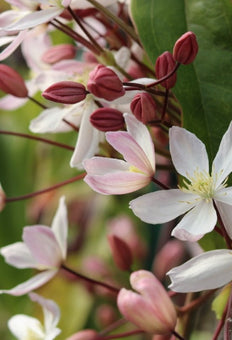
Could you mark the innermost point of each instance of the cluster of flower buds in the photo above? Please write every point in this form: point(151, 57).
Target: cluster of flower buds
point(11, 82)
point(184, 52)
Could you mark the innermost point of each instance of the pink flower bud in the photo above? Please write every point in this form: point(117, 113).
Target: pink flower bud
point(121, 252)
point(66, 92)
point(104, 83)
point(151, 310)
point(105, 315)
point(165, 63)
point(185, 48)
point(87, 334)
point(11, 82)
point(59, 52)
point(143, 107)
point(107, 119)
point(170, 255)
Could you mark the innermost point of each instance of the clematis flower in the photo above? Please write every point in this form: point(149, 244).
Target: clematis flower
point(151, 310)
point(198, 193)
point(43, 248)
point(115, 176)
point(209, 270)
point(26, 327)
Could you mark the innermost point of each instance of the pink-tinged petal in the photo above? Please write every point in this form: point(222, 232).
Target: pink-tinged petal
point(124, 143)
point(21, 325)
point(34, 19)
point(31, 284)
point(162, 206)
point(60, 226)
point(142, 136)
point(188, 152)
point(222, 164)
point(128, 302)
point(153, 291)
point(225, 211)
point(197, 222)
point(209, 270)
point(50, 309)
point(10, 102)
point(50, 120)
point(103, 165)
point(18, 255)
point(88, 138)
point(13, 45)
point(43, 246)
point(117, 183)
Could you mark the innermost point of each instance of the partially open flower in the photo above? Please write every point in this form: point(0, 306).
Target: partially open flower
point(143, 107)
point(66, 92)
point(59, 52)
point(165, 63)
point(104, 83)
point(186, 48)
point(107, 119)
point(151, 310)
point(11, 82)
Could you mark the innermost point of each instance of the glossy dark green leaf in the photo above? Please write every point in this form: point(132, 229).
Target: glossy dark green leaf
point(204, 88)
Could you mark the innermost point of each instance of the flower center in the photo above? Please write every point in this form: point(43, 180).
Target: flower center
point(202, 184)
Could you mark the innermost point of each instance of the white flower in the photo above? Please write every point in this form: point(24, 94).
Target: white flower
point(209, 270)
point(43, 248)
point(200, 192)
point(26, 327)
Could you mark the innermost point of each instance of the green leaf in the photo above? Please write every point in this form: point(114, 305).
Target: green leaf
point(219, 303)
point(204, 88)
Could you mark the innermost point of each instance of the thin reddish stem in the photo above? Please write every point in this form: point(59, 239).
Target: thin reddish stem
point(44, 191)
point(157, 82)
point(39, 139)
point(88, 279)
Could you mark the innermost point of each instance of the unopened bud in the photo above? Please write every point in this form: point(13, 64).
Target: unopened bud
point(186, 48)
point(121, 252)
point(143, 107)
point(170, 255)
point(104, 83)
point(58, 53)
point(11, 82)
point(66, 92)
point(151, 309)
point(107, 119)
point(165, 63)
point(105, 315)
point(87, 334)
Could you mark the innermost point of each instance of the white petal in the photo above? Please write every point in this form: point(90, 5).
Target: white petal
point(104, 165)
point(31, 284)
point(207, 271)
point(13, 45)
point(50, 120)
point(26, 327)
point(43, 246)
point(88, 137)
point(222, 164)
point(225, 211)
point(197, 222)
point(187, 151)
point(60, 226)
point(50, 309)
point(162, 206)
point(142, 136)
point(34, 19)
point(18, 255)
